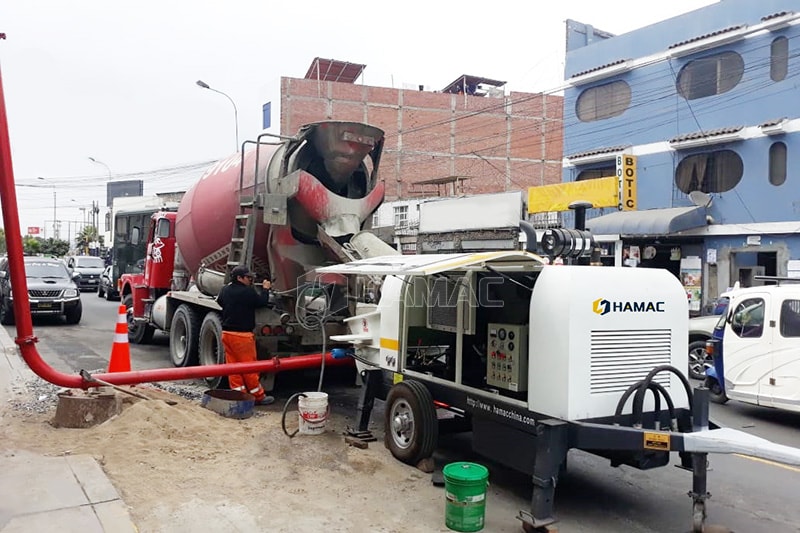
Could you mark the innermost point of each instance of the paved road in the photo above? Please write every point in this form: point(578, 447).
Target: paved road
point(747, 495)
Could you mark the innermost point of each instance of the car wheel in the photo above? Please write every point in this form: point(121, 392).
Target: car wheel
point(138, 332)
point(73, 315)
point(6, 314)
point(698, 358)
point(100, 290)
point(110, 295)
point(411, 427)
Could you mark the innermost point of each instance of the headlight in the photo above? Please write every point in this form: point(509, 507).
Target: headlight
point(70, 293)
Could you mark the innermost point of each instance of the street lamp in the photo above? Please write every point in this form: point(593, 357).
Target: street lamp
point(55, 220)
point(93, 160)
point(204, 85)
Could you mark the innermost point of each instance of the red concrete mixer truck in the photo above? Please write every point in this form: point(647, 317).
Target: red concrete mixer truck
point(282, 206)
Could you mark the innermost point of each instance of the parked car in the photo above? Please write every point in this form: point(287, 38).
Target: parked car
point(51, 290)
point(89, 267)
point(757, 348)
point(701, 329)
point(107, 287)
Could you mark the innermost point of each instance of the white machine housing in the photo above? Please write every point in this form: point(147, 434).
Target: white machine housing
point(594, 331)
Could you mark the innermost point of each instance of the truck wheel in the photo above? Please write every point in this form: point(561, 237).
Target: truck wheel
point(410, 424)
point(73, 316)
point(6, 314)
point(209, 347)
point(138, 332)
point(715, 392)
point(184, 334)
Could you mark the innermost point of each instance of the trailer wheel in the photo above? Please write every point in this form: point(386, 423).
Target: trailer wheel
point(209, 348)
point(184, 333)
point(138, 332)
point(412, 430)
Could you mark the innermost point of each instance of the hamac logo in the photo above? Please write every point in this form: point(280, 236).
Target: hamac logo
point(601, 306)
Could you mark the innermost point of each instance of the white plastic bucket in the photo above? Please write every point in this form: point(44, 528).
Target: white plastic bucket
point(313, 412)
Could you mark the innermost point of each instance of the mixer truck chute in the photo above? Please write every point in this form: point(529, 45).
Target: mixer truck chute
point(281, 207)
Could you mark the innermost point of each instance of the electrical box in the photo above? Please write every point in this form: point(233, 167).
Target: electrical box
point(507, 356)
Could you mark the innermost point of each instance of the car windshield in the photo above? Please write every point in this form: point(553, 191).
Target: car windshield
point(45, 269)
point(91, 261)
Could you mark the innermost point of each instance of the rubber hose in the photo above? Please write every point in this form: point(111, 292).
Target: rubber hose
point(653, 387)
point(638, 400)
point(285, 409)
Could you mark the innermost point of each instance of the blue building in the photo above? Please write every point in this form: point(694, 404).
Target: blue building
point(708, 105)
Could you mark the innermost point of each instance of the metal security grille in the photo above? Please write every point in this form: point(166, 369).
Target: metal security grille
point(39, 293)
point(620, 358)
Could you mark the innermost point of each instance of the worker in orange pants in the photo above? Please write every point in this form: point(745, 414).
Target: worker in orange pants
point(239, 302)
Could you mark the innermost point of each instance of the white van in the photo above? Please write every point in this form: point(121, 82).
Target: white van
point(758, 361)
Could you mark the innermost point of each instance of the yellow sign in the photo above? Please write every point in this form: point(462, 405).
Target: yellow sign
point(397, 378)
point(601, 192)
point(656, 441)
point(626, 173)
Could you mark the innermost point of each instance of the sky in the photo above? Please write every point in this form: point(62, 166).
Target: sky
point(115, 81)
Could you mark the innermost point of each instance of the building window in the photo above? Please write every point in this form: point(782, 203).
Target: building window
point(709, 172)
point(777, 163)
point(603, 101)
point(710, 75)
point(595, 173)
point(401, 216)
point(375, 219)
point(779, 59)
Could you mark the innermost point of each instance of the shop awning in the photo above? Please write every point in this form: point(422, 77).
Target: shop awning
point(655, 222)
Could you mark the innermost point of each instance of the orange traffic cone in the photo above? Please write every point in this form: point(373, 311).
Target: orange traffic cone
point(120, 352)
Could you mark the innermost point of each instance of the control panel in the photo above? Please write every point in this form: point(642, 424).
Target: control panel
point(507, 356)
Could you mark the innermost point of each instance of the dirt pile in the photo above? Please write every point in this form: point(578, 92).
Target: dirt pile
point(184, 468)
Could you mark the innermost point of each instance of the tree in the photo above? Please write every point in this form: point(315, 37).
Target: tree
point(85, 239)
point(2, 241)
point(36, 245)
point(55, 247)
point(31, 245)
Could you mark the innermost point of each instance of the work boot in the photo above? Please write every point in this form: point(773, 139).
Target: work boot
point(266, 400)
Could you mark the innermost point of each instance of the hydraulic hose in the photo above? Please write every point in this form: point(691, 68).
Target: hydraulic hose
point(658, 391)
point(638, 399)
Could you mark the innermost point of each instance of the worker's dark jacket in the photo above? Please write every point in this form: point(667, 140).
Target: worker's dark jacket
point(239, 303)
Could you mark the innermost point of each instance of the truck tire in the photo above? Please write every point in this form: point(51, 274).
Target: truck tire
point(410, 424)
point(209, 347)
point(184, 336)
point(73, 315)
point(138, 332)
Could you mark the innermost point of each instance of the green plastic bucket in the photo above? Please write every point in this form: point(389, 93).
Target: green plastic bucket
point(465, 496)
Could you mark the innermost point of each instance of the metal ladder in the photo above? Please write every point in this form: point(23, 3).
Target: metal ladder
point(244, 227)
